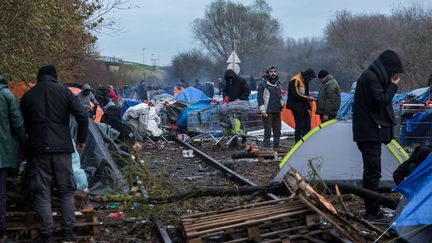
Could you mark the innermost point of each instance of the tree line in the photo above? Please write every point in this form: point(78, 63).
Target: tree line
point(34, 33)
point(348, 45)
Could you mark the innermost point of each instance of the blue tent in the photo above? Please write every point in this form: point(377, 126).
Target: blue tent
point(182, 118)
point(192, 94)
point(415, 220)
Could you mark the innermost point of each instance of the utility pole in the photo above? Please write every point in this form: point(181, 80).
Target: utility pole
point(143, 56)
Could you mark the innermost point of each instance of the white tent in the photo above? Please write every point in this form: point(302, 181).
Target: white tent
point(332, 151)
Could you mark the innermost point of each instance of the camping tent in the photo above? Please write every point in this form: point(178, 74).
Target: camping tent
point(103, 175)
point(191, 94)
point(288, 118)
point(333, 153)
point(413, 218)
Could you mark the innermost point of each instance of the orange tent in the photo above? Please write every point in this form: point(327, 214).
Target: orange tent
point(288, 117)
point(18, 88)
point(99, 111)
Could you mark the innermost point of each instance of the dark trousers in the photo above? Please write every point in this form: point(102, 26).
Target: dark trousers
point(302, 123)
point(48, 170)
point(272, 122)
point(371, 153)
point(3, 180)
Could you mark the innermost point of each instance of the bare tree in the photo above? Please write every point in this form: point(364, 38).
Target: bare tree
point(357, 39)
point(249, 30)
point(192, 65)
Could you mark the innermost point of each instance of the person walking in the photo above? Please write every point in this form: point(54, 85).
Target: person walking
point(270, 106)
point(11, 131)
point(46, 109)
point(373, 119)
point(299, 102)
point(329, 99)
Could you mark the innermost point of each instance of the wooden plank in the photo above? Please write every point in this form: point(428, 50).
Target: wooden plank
point(240, 211)
point(243, 215)
point(247, 223)
point(246, 217)
point(238, 207)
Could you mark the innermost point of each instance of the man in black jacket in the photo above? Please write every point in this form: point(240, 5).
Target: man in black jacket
point(373, 118)
point(270, 105)
point(299, 102)
point(236, 88)
point(46, 109)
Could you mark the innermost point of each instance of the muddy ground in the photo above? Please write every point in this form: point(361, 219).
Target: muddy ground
point(170, 172)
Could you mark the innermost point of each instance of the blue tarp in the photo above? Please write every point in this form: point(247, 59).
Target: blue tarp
point(126, 104)
point(182, 118)
point(345, 109)
point(416, 129)
point(192, 94)
point(417, 187)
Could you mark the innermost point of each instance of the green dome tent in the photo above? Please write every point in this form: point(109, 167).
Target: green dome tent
point(334, 154)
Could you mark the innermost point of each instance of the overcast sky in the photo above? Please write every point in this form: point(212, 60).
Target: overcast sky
point(163, 27)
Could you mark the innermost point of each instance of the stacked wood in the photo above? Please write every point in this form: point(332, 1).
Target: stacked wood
point(23, 225)
point(271, 221)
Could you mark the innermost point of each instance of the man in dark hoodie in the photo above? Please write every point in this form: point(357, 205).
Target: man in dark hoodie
point(373, 118)
point(236, 88)
point(46, 109)
point(299, 102)
point(270, 106)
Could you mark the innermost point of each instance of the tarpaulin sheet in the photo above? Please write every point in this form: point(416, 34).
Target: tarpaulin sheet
point(182, 118)
point(103, 175)
point(417, 129)
point(417, 187)
point(345, 109)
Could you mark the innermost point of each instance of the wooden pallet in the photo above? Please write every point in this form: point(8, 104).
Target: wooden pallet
point(24, 224)
point(272, 221)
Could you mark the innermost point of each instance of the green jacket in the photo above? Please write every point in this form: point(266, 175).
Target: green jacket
point(328, 101)
point(11, 127)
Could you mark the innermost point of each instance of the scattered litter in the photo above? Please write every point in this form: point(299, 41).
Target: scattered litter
point(116, 215)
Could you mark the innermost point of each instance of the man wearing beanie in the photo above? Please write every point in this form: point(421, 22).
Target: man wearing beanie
point(270, 105)
point(299, 102)
point(328, 101)
point(46, 109)
point(373, 119)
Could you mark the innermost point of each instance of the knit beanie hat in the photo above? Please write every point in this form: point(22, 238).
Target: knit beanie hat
point(322, 74)
point(309, 74)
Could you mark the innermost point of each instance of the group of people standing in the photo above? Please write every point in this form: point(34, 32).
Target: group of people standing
point(299, 102)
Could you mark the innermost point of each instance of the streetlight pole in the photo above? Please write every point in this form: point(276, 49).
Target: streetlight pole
point(143, 56)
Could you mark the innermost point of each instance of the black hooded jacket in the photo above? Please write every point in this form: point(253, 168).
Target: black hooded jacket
point(237, 88)
point(373, 116)
point(46, 109)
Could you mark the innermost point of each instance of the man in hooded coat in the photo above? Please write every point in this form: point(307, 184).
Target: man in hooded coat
point(373, 118)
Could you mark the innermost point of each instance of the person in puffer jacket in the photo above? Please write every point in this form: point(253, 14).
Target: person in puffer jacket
point(270, 106)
